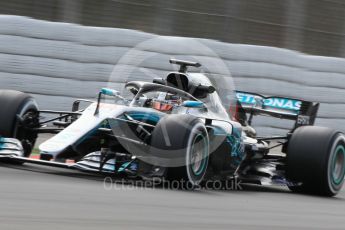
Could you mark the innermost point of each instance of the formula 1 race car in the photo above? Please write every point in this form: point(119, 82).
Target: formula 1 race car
point(178, 128)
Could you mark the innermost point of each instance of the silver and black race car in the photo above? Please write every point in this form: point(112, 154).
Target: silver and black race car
point(178, 128)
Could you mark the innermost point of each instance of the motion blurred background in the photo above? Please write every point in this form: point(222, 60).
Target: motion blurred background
point(60, 50)
point(310, 26)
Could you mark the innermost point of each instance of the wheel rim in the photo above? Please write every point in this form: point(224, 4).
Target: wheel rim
point(338, 165)
point(198, 155)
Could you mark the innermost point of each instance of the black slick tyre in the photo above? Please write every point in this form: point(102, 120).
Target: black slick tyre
point(181, 143)
point(316, 160)
point(18, 112)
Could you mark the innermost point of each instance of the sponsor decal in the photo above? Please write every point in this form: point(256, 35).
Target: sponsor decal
point(275, 102)
point(303, 120)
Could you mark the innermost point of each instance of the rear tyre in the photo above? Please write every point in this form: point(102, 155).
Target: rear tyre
point(181, 143)
point(18, 113)
point(316, 160)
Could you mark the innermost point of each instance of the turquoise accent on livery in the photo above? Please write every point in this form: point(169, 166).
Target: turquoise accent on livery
point(273, 102)
point(337, 180)
point(130, 164)
point(1, 142)
point(287, 104)
point(124, 166)
point(91, 132)
point(234, 140)
point(193, 104)
point(237, 148)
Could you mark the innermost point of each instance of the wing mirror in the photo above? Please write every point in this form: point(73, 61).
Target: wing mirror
point(110, 92)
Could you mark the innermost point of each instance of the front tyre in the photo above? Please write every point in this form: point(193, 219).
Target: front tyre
point(18, 114)
point(316, 159)
point(181, 142)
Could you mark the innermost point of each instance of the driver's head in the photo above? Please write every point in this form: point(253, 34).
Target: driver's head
point(165, 102)
point(161, 106)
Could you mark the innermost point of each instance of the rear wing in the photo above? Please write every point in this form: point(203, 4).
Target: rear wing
point(303, 112)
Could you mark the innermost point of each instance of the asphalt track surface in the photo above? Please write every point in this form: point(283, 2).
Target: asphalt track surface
point(37, 197)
